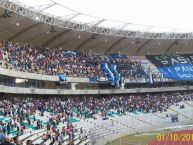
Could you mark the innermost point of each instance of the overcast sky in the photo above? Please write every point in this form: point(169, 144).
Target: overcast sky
point(164, 13)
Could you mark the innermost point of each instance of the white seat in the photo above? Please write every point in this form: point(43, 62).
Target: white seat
point(33, 137)
point(25, 135)
point(48, 142)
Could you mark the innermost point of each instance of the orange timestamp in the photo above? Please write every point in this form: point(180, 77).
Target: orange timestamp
point(184, 137)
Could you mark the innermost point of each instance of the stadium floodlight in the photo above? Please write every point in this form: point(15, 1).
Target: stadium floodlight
point(137, 41)
point(52, 30)
point(7, 14)
point(94, 36)
point(176, 42)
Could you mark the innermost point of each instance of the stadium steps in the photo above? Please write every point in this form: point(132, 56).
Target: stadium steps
point(162, 117)
point(139, 119)
point(159, 116)
point(116, 128)
point(47, 142)
point(66, 142)
point(123, 124)
point(189, 103)
point(38, 140)
point(133, 122)
point(77, 140)
point(105, 127)
point(156, 118)
point(181, 114)
point(26, 135)
point(85, 142)
point(34, 137)
point(14, 132)
point(101, 128)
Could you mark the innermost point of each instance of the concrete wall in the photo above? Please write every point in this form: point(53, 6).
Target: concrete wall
point(33, 76)
point(25, 75)
point(17, 90)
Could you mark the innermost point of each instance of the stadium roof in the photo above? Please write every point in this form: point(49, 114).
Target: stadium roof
point(33, 23)
point(147, 15)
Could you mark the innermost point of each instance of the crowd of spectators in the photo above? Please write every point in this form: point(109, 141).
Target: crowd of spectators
point(74, 64)
point(19, 109)
point(58, 135)
point(22, 112)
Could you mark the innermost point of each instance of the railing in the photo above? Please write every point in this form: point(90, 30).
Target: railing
point(7, 71)
point(20, 90)
point(110, 138)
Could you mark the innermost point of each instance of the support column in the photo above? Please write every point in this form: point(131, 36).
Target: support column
point(122, 86)
point(73, 86)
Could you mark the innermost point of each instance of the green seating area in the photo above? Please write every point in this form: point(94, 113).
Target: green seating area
point(73, 120)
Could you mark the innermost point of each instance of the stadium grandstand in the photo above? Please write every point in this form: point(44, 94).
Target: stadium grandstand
point(70, 77)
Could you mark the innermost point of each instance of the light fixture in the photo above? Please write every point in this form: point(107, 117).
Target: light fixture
point(137, 41)
point(176, 42)
point(7, 14)
point(17, 24)
point(52, 30)
point(37, 18)
point(106, 40)
point(94, 36)
point(79, 36)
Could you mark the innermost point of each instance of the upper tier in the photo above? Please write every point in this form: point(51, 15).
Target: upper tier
point(74, 64)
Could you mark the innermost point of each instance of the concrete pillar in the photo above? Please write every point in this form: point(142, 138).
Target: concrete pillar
point(73, 86)
point(122, 86)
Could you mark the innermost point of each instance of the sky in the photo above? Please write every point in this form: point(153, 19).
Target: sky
point(175, 14)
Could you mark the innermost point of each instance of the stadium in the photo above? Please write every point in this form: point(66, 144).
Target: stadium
point(72, 77)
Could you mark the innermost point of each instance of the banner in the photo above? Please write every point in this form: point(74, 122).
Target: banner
point(62, 78)
point(108, 72)
point(71, 53)
point(93, 80)
point(177, 67)
point(102, 79)
point(120, 56)
point(113, 69)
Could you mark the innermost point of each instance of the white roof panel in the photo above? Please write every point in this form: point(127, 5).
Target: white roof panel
point(59, 11)
point(112, 24)
point(136, 27)
point(85, 19)
point(35, 3)
point(160, 30)
point(147, 13)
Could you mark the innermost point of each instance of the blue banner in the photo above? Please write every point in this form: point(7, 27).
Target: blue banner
point(113, 69)
point(93, 80)
point(177, 67)
point(71, 53)
point(121, 56)
point(62, 77)
point(108, 72)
